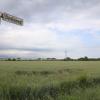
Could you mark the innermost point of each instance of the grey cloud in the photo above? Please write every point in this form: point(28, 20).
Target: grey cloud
point(45, 10)
point(34, 49)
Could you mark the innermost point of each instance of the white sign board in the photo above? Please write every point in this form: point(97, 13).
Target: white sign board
point(12, 19)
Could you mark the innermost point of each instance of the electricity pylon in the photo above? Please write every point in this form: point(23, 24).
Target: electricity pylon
point(65, 53)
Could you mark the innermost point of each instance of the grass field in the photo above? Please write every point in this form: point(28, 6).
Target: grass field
point(49, 80)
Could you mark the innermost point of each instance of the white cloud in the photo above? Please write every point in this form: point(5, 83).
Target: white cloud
point(47, 27)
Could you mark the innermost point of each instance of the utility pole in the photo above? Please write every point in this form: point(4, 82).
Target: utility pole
point(10, 18)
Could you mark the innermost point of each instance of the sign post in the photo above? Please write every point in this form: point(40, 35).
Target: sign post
point(10, 18)
point(0, 16)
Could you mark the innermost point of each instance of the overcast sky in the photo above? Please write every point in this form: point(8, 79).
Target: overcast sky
point(51, 27)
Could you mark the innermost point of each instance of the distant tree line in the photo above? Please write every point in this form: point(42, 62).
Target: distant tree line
point(10, 59)
point(88, 59)
point(82, 59)
point(51, 59)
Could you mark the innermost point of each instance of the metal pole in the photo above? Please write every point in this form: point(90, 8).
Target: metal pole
point(0, 17)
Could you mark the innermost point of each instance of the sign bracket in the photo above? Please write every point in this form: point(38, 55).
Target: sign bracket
point(10, 18)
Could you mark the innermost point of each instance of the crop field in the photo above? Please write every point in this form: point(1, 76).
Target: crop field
point(49, 80)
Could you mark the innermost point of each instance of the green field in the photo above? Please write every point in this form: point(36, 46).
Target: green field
point(49, 80)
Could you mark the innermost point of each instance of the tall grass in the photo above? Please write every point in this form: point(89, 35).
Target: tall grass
point(49, 80)
point(49, 92)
